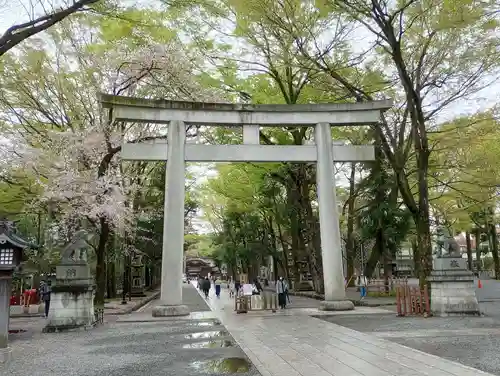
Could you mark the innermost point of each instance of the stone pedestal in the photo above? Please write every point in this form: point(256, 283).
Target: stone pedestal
point(336, 305)
point(452, 288)
point(163, 310)
point(71, 300)
point(5, 291)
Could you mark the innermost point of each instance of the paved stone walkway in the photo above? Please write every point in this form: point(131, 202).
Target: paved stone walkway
point(472, 341)
point(292, 343)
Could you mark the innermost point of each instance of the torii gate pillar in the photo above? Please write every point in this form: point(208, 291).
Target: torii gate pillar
point(176, 152)
point(329, 228)
point(173, 225)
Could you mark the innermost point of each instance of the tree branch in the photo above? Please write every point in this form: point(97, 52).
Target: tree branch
point(18, 33)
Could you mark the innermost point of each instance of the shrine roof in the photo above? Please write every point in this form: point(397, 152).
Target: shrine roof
point(7, 232)
point(109, 101)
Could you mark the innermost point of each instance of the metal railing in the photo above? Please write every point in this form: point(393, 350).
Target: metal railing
point(98, 316)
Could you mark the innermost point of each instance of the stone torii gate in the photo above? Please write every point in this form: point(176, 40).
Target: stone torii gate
point(176, 152)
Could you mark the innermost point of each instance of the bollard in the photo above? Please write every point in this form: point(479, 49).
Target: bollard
point(398, 301)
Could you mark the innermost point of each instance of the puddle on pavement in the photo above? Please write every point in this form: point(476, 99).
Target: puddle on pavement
point(208, 344)
point(227, 365)
point(204, 323)
point(210, 334)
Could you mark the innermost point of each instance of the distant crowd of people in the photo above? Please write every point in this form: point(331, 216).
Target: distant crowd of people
point(235, 288)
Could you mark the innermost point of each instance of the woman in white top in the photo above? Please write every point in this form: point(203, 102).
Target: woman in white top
point(362, 283)
point(231, 288)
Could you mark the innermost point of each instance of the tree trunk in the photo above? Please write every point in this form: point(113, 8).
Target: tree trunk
point(416, 265)
point(109, 294)
point(283, 261)
point(100, 270)
point(469, 251)
point(494, 249)
point(386, 255)
point(111, 267)
point(372, 261)
point(380, 196)
point(293, 204)
point(422, 221)
point(421, 143)
point(478, 251)
point(313, 243)
point(424, 244)
point(350, 243)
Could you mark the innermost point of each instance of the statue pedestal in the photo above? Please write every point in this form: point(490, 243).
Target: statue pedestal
point(453, 291)
point(71, 300)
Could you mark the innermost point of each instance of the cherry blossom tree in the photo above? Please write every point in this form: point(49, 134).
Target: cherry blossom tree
point(50, 99)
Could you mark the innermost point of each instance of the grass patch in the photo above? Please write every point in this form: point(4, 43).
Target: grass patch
point(381, 294)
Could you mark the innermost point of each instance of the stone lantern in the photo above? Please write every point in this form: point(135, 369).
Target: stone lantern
point(137, 275)
point(11, 255)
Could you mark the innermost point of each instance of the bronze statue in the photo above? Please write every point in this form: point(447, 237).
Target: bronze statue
point(447, 246)
point(76, 249)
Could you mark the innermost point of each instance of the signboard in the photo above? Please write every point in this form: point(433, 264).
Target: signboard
point(247, 289)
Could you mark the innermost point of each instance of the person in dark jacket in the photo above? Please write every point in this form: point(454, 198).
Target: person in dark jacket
point(46, 290)
point(206, 284)
point(258, 286)
point(237, 286)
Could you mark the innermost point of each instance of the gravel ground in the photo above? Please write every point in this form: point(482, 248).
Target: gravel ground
point(173, 348)
point(473, 341)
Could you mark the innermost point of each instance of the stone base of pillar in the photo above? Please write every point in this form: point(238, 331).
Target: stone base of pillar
point(5, 355)
point(336, 305)
point(170, 310)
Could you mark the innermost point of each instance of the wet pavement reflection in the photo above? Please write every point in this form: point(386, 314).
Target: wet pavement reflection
point(213, 350)
point(227, 365)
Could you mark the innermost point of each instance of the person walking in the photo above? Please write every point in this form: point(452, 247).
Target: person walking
point(46, 291)
point(258, 286)
point(362, 283)
point(231, 288)
point(237, 286)
point(281, 290)
point(206, 286)
point(217, 284)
